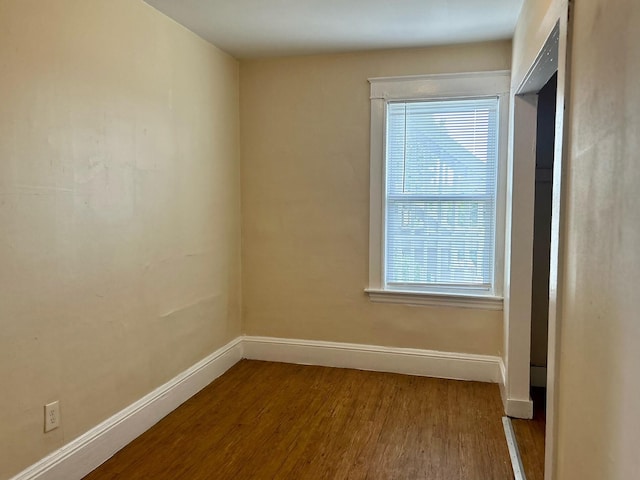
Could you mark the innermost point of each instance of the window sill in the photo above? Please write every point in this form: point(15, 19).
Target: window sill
point(483, 302)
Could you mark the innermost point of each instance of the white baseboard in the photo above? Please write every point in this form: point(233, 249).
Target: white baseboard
point(513, 407)
point(428, 363)
point(517, 408)
point(84, 454)
point(90, 450)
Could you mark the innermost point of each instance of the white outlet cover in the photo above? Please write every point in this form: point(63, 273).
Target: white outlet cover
point(51, 416)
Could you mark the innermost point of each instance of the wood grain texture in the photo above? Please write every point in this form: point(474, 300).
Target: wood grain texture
point(530, 437)
point(264, 420)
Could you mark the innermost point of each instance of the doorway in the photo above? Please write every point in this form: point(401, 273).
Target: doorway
point(532, 176)
point(529, 435)
point(545, 141)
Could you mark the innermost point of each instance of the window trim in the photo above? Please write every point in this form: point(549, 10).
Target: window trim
point(433, 87)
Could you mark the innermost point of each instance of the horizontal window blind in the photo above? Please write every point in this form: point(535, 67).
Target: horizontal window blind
point(441, 169)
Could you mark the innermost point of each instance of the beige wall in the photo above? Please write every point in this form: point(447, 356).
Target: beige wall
point(119, 207)
point(530, 35)
point(599, 386)
point(305, 202)
point(599, 420)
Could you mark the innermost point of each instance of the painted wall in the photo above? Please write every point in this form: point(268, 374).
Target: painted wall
point(599, 421)
point(530, 35)
point(305, 202)
point(598, 386)
point(119, 206)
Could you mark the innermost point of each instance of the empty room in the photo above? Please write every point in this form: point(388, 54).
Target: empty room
point(261, 239)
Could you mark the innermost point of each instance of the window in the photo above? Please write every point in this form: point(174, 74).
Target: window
point(436, 189)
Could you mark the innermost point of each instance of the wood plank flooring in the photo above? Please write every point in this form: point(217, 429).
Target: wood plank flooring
point(264, 420)
point(530, 437)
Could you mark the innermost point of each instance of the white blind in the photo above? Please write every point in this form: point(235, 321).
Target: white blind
point(441, 160)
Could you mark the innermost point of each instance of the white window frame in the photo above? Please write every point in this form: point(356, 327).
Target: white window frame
point(431, 87)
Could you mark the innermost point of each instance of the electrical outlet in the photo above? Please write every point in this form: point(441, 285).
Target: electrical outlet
point(51, 416)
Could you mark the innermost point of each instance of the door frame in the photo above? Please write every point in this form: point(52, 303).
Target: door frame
point(553, 56)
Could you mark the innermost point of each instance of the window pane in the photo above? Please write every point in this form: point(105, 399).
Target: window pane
point(441, 183)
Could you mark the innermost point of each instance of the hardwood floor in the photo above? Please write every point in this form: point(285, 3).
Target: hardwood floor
point(530, 437)
point(265, 420)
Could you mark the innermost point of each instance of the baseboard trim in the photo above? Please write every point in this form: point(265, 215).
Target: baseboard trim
point(81, 456)
point(517, 408)
point(84, 454)
point(428, 363)
point(513, 407)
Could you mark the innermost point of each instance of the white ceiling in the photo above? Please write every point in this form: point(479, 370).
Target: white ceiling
point(259, 28)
